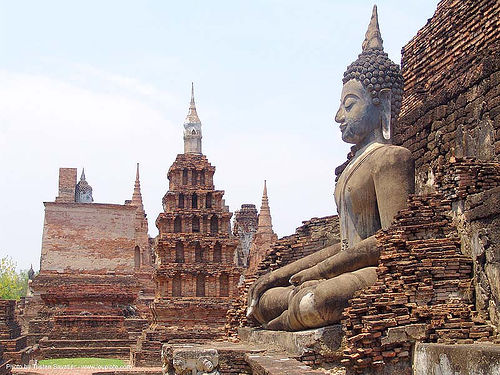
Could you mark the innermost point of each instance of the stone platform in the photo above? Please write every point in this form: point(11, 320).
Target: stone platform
point(231, 359)
point(440, 359)
point(312, 347)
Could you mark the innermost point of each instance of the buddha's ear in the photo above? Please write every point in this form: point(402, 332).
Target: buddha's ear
point(385, 111)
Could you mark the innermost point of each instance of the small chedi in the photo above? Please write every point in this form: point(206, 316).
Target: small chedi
point(91, 294)
point(196, 275)
point(264, 236)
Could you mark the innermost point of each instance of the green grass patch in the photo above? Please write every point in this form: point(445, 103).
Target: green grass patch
point(83, 362)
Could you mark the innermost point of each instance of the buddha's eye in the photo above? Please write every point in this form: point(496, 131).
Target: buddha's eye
point(348, 104)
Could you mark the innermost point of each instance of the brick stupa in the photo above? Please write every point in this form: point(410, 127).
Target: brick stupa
point(196, 275)
point(264, 237)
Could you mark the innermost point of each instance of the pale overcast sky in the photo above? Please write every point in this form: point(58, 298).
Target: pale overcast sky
point(106, 84)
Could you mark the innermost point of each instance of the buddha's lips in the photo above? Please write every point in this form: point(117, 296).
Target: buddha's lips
point(342, 127)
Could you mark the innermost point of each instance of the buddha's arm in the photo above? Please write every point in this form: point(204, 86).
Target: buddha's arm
point(281, 276)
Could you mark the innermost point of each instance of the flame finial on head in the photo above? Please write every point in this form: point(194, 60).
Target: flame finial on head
point(373, 38)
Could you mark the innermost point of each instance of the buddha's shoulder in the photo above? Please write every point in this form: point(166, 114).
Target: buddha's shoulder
point(392, 155)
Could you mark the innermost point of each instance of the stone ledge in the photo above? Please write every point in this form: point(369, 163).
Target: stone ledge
point(326, 341)
point(440, 359)
point(278, 365)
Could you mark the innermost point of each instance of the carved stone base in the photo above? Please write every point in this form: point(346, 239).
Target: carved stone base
point(314, 346)
point(189, 360)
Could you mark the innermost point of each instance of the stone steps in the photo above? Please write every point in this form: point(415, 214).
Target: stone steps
point(100, 343)
point(75, 352)
point(14, 345)
point(19, 357)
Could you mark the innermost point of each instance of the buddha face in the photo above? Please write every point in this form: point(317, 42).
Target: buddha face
point(358, 116)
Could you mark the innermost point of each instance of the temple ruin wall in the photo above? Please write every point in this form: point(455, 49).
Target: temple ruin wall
point(88, 237)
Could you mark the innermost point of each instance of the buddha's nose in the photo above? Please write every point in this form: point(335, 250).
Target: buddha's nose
point(339, 117)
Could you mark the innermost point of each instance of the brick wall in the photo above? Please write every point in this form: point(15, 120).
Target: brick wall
point(451, 103)
point(67, 184)
point(88, 237)
point(424, 292)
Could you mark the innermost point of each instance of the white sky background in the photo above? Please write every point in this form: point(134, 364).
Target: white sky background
point(106, 84)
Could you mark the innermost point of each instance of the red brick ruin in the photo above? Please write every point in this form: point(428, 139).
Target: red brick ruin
point(196, 273)
point(14, 347)
point(264, 236)
point(439, 260)
point(99, 294)
point(244, 228)
point(90, 297)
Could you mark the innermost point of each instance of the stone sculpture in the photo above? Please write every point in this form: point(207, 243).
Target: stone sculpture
point(189, 360)
point(371, 189)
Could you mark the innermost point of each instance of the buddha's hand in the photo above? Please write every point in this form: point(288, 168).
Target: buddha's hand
point(258, 288)
point(301, 277)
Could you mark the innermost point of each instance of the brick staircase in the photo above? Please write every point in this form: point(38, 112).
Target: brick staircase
point(14, 344)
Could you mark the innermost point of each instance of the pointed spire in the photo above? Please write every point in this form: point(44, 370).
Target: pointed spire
point(192, 128)
point(265, 221)
point(192, 96)
point(82, 177)
point(192, 116)
point(373, 38)
point(264, 236)
point(137, 196)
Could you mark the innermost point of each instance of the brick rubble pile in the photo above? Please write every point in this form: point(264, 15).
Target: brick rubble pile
point(466, 176)
point(423, 292)
point(13, 343)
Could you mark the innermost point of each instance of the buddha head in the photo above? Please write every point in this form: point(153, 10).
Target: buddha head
point(372, 91)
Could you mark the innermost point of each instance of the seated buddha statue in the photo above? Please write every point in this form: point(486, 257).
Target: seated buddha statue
point(372, 187)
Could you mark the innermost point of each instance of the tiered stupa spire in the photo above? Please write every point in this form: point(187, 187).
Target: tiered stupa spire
point(137, 196)
point(265, 222)
point(192, 128)
point(264, 236)
point(373, 38)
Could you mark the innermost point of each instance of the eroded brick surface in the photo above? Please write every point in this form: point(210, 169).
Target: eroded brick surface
point(423, 291)
point(451, 70)
point(13, 344)
point(196, 275)
point(90, 297)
